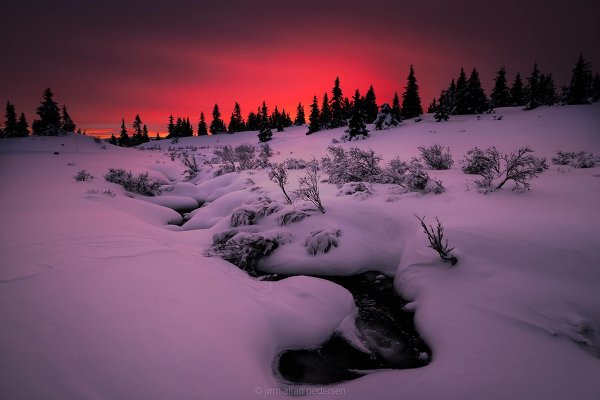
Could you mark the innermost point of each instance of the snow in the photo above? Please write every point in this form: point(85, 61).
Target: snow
point(101, 296)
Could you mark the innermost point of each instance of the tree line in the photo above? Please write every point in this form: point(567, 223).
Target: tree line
point(463, 96)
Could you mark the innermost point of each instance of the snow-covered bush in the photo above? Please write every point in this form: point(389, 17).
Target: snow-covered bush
point(289, 216)
point(140, 184)
point(244, 249)
point(225, 155)
point(355, 165)
point(437, 242)
point(250, 214)
point(263, 156)
point(495, 168)
point(385, 119)
point(436, 156)
point(295, 163)
point(82, 176)
point(410, 176)
point(321, 241)
point(192, 168)
point(581, 159)
point(244, 155)
point(352, 188)
point(309, 186)
point(278, 174)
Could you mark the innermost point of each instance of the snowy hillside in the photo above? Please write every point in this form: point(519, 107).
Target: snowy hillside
point(107, 294)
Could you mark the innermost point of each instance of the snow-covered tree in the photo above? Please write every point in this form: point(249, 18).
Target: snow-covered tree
point(356, 125)
point(265, 134)
point(385, 118)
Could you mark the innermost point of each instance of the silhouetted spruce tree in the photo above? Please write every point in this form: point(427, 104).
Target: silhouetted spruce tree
point(517, 92)
point(441, 111)
point(265, 134)
point(136, 136)
point(356, 125)
point(67, 123)
point(10, 121)
point(49, 122)
point(369, 106)
point(170, 128)
point(547, 90)
point(337, 110)
point(411, 101)
point(300, 116)
point(596, 88)
point(113, 140)
point(346, 109)
point(450, 96)
point(252, 123)
point(532, 91)
point(580, 89)
point(264, 115)
point(236, 122)
point(22, 126)
point(124, 137)
point(461, 105)
point(476, 100)
point(325, 116)
point(202, 129)
point(500, 96)
point(157, 137)
point(217, 125)
point(314, 117)
point(432, 106)
point(396, 107)
point(145, 137)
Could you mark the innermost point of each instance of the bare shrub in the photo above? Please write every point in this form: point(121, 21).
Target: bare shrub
point(581, 159)
point(436, 156)
point(140, 184)
point(82, 176)
point(520, 167)
point(278, 174)
point(309, 186)
point(263, 156)
point(244, 155)
point(225, 155)
point(294, 163)
point(192, 168)
point(437, 241)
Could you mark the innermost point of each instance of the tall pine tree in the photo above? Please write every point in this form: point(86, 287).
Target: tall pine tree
point(596, 88)
point(124, 136)
point(476, 99)
point(202, 128)
point(236, 123)
point(67, 123)
point(325, 116)
point(314, 117)
point(580, 89)
point(337, 110)
point(217, 125)
point(517, 92)
point(49, 123)
point(411, 101)
point(22, 126)
point(461, 106)
point(532, 91)
point(300, 117)
point(369, 105)
point(500, 96)
point(356, 125)
point(10, 121)
point(396, 107)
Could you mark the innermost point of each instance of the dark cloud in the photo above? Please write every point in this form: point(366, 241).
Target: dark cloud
point(111, 57)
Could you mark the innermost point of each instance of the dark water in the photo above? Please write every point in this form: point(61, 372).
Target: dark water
point(383, 327)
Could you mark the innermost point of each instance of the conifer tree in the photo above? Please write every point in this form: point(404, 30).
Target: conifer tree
point(170, 128)
point(113, 140)
point(432, 106)
point(217, 125)
point(500, 96)
point(145, 137)
point(49, 122)
point(441, 110)
point(517, 92)
point(265, 134)
point(67, 123)
point(263, 113)
point(300, 116)
point(314, 117)
point(236, 122)
point(202, 129)
point(337, 111)
point(475, 96)
point(533, 88)
point(461, 106)
point(325, 116)
point(10, 121)
point(411, 101)
point(580, 88)
point(346, 109)
point(369, 105)
point(157, 137)
point(450, 97)
point(136, 137)
point(22, 126)
point(547, 90)
point(396, 107)
point(252, 123)
point(356, 125)
point(124, 137)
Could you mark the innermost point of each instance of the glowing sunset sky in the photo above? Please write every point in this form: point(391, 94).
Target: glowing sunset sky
point(113, 59)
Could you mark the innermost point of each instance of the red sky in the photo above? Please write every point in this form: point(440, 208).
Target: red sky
point(113, 59)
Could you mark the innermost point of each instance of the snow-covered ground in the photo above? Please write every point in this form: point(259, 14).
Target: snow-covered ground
point(104, 296)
